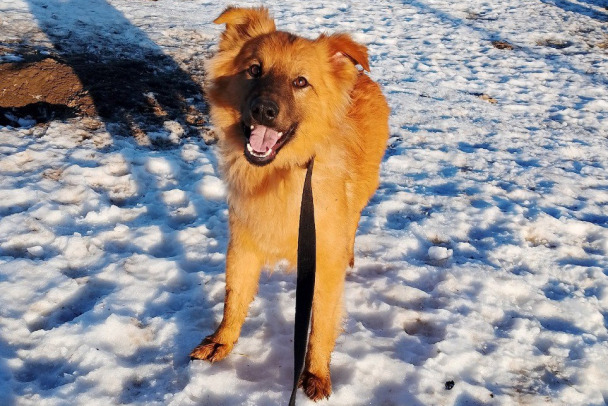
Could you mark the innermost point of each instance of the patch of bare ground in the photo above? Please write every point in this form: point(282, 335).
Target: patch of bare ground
point(133, 96)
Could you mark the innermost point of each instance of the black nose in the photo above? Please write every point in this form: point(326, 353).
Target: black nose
point(264, 111)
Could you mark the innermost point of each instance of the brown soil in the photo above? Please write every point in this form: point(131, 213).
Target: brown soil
point(502, 45)
point(46, 81)
point(133, 96)
point(41, 90)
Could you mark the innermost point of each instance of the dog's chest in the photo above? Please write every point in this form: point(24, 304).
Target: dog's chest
point(271, 218)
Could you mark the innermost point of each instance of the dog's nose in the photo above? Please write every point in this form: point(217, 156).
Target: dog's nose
point(264, 111)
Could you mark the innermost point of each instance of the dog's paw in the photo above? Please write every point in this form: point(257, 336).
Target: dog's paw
point(315, 387)
point(211, 350)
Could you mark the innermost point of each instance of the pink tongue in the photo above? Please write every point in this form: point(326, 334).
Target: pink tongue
point(263, 138)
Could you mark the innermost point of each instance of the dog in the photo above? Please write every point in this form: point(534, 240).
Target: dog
point(279, 100)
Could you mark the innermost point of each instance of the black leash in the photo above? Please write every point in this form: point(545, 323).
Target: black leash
point(307, 263)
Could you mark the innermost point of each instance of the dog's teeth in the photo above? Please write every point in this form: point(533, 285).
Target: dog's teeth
point(252, 127)
point(280, 135)
point(257, 154)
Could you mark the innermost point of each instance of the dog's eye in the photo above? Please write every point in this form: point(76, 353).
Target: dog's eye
point(255, 70)
point(300, 82)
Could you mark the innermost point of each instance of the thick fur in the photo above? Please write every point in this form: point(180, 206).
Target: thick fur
point(341, 120)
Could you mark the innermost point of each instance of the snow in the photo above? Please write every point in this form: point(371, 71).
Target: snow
point(482, 259)
point(439, 253)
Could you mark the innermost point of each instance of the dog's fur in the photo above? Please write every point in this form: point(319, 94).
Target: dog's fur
point(337, 115)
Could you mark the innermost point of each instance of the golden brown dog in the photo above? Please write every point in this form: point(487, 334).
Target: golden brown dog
point(278, 100)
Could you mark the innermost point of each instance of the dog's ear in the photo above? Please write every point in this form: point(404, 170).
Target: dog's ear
point(343, 46)
point(242, 24)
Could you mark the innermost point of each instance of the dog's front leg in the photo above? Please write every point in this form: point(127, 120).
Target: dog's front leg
point(326, 320)
point(243, 267)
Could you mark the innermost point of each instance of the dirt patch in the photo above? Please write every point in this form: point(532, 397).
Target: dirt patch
point(132, 96)
point(43, 87)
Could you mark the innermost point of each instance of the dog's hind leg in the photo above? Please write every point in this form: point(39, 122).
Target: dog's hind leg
point(351, 233)
point(243, 268)
point(358, 195)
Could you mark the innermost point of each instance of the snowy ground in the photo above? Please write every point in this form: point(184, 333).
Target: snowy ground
point(481, 260)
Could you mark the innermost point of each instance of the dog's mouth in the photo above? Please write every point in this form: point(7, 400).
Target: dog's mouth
point(263, 143)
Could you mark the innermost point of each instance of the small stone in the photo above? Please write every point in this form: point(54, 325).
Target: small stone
point(502, 45)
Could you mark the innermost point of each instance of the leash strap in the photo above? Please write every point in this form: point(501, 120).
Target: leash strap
point(307, 263)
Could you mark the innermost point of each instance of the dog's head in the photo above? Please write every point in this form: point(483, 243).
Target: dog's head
point(278, 96)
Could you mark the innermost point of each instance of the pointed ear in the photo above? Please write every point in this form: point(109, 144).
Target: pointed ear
point(342, 46)
point(242, 24)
